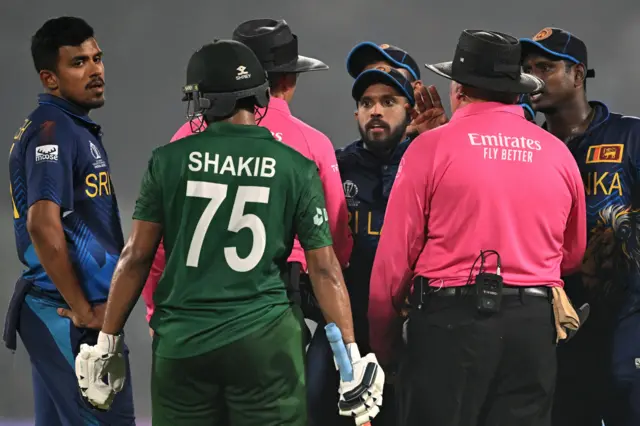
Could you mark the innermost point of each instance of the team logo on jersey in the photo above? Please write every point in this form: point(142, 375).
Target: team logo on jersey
point(95, 152)
point(242, 73)
point(543, 34)
point(350, 189)
point(608, 153)
point(320, 217)
point(46, 153)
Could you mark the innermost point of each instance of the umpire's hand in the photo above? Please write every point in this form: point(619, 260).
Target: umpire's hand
point(361, 398)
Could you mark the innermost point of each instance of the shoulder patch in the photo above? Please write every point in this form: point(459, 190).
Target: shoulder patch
point(47, 153)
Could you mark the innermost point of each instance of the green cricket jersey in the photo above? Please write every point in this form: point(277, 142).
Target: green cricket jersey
point(230, 200)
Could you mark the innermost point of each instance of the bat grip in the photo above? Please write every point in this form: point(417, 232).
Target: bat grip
point(340, 353)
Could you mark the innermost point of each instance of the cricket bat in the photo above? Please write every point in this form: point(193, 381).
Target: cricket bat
point(340, 353)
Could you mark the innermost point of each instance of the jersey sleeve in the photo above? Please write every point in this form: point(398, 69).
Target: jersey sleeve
point(159, 260)
point(157, 268)
point(335, 201)
point(49, 159)
point(575, 234)
point(402, 240)
point(311, 218)
point(149, 202)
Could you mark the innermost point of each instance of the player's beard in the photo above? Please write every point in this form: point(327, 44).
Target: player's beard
point(88, 99)
point(386, 145)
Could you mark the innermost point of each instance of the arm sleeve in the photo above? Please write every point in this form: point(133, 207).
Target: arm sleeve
point(335, 201)
point(401, 241)
point(49, 160)
point(575, 234)
point(311, 217)
point(149, 203)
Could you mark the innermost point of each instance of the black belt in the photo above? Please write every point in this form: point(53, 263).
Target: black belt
point(422, 290)
point(506, 291)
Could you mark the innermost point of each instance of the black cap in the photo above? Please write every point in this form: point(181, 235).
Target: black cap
point(275, 46)
point(488, 60)
point(560, 44)
point(391, 78)
point(223, 72)
point(367, 53)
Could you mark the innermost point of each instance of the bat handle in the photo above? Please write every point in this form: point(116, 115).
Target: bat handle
point(340, 353)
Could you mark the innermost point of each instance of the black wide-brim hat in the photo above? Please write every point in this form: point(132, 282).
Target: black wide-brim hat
point(488, 60)
point(276, 46)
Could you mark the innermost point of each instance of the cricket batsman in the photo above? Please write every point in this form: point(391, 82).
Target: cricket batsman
point(276, 46)
point(227, 203)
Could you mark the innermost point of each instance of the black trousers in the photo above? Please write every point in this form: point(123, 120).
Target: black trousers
point(599, 375)
point(463, 368)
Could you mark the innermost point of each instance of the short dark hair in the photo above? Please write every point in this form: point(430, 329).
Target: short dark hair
point(490, 95)
point(275, 78)
point(54, 34)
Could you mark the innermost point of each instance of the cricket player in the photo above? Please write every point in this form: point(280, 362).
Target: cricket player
point(228, 202)
point(428, 112)
point(67, 225)
point(276, 47)
point(368, 167)
point(599, 369)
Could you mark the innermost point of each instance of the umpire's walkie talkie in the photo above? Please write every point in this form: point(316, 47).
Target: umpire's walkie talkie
point(489, 287)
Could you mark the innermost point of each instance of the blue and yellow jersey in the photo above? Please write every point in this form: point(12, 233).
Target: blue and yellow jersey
point(608, 155)
point(367, 182)
point(57, 155)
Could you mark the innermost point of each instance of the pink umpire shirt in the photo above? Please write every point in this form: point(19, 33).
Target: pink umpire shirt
point(315, 146)
point(488, 180)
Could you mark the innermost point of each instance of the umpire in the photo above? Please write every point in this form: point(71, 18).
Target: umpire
point(485, 248)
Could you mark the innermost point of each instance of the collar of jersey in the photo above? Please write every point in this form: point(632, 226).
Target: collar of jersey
point(279, 105)
point(371, 159)
point(486, 108)
point(601, 115)
point(66, 106)
point(224, 128)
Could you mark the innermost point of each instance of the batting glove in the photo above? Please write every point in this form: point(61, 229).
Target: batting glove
point(361, 398)
point(93, 363)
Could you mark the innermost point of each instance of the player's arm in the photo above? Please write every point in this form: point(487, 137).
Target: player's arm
point(575, 234)
point(401, 241)
point(335, 201)
point(323, 266)
point(138, 253)
point(159, 261)
point(49, 161)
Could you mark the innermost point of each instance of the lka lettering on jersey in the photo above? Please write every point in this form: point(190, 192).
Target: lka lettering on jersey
point(506, 148)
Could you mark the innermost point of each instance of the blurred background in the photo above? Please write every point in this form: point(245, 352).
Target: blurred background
point(147, 45)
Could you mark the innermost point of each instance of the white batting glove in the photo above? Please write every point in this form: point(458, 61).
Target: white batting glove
point(106, 358)
point(361, 398)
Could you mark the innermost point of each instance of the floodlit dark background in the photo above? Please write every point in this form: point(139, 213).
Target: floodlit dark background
point(147, 45)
